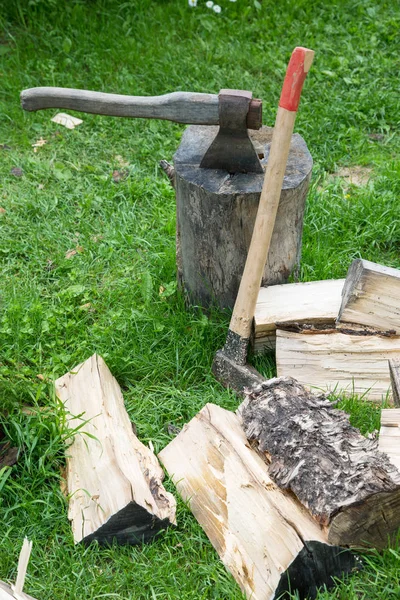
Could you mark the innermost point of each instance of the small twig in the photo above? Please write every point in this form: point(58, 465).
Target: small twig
point(169, 170)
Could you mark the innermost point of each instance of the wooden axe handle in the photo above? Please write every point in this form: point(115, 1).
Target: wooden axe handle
point(246, 300)
point(181, 107)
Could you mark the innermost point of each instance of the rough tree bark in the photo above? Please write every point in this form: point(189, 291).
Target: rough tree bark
point(216, 212)
point(313, 451)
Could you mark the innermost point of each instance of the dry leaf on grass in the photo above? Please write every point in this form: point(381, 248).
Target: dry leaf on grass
point(2, 210)
point(120, 175)
point(71, 253)
point(41, 142)
point(66, 120)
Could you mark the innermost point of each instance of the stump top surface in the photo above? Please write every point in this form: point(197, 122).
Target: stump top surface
point(197, 138)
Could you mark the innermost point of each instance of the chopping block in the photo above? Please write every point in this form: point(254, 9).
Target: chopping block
point(216, 211)
point(219, 172)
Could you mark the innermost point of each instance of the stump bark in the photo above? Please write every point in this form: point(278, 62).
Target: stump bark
point(312, 450)
point(216, 212)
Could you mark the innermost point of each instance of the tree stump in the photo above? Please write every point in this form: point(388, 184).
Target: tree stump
point(216, 211)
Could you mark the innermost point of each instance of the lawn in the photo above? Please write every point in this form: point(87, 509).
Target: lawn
point(88, 264)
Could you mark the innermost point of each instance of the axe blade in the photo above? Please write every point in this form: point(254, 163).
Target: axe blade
point(232, 150)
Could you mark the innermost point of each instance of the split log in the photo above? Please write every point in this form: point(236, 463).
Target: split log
point(394, 370)
point(216, 212)
point(264, 537)
point(314, 302)
point(14, 592)
point(344, 362)
point(371, 297)
point(389, 435)
point(114, 481)
point(313, 451)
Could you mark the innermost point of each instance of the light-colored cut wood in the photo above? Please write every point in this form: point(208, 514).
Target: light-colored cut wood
point(394, 369)
point(114, 481)
point(311, 302)
point(15, 592)
point(338, 361)
point(312, 450)
point(257, 529)
point(371, 297)
point(389, 435)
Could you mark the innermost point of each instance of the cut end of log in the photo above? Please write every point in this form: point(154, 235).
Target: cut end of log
point(313, 568)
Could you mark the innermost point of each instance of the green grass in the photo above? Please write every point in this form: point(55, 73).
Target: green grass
point(107, 297)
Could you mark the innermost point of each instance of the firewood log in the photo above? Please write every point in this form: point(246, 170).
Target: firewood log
point(311, 449)
point(310, 302)
point(15, 592)
point(114, 481)
point(371, 297)
point(394, 370)
point(347, 362)
point(389, 435)
point(263, 535)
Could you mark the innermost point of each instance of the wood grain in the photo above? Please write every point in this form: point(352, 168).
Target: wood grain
point(394, 370)
point(371, 297)
point(114, 481)
point(314, 302)
point(257, 529)
point(389, 435)
point(347, 363)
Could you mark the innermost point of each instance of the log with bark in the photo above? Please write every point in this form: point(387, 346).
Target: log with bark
point(347, 362)
point(311, 450)
point(389, 435)
point(114, 481)
point(371, 297)
point(15, 591)
point(216, 212)
point(263, 535)
point(314, 302)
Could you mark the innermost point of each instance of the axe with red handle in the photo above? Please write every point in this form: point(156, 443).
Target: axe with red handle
point(229, 365)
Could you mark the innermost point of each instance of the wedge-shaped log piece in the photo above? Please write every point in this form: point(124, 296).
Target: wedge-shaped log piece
point(7, 593)
point(389, 435)
point(348, 363)
point(311, 302)
point(263, 535)
point(114, 481)
point(394, 369)
point(15, 591)
point(371, 297)
point(312, 450)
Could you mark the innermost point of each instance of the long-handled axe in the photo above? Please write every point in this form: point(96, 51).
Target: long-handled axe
point(234, 111)
point(229, 364)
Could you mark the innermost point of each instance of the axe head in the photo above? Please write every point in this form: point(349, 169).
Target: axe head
point(232, 149)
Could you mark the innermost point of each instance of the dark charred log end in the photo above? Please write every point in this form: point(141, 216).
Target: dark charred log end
point(317, 565)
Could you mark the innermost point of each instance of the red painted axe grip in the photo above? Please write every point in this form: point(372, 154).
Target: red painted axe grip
point(298, 67)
